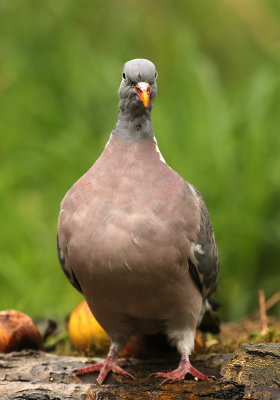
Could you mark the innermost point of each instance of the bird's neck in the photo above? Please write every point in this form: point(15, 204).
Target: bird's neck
point(134, 126)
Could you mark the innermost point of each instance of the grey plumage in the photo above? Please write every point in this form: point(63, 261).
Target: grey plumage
point(134, 237)
point(140, 70)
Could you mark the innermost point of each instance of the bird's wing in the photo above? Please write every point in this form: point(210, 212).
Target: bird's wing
point(69, 273)
point(204, 263)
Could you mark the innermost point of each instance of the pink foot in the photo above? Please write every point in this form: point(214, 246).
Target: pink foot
point(179, 373)
point(110, 364)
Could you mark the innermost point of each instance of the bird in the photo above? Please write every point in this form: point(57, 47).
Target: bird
point(136, 239)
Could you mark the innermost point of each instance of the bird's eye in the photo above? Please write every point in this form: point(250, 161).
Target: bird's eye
point(124, 76)
point(156, 75)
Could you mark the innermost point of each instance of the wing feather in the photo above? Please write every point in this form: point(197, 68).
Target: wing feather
point(204, 268)
point(69, 273)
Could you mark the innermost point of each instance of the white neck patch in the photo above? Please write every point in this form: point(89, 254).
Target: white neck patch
point(156, 146)
point(158, 151)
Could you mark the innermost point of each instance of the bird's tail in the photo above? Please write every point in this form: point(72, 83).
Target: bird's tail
point(209, 321)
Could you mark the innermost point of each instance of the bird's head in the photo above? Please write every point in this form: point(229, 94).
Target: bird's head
point(138, 86)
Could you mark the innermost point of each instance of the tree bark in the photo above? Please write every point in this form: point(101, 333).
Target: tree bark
point(256, 366)
point(253, 372)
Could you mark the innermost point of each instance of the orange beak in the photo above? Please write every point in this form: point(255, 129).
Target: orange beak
point(143, 89)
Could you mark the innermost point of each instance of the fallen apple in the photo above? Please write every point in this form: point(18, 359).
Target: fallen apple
point(17, 331)
point(85, 332)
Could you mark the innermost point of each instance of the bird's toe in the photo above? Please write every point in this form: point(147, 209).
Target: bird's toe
point(179, 373)
point(104, 368)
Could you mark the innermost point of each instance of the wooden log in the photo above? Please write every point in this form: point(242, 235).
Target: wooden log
point(36, 375)
point(256, 366)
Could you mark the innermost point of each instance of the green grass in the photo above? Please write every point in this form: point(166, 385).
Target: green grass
point(216, 119)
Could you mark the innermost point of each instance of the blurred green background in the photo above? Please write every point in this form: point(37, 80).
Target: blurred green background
point(216, 118)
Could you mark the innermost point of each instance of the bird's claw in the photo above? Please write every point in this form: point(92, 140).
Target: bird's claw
point(118, 370)
point(104, 368)
point(179, 373)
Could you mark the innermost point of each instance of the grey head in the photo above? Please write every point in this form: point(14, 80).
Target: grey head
point(138, 87)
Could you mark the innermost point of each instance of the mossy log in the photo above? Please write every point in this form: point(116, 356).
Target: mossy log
point(252, 372)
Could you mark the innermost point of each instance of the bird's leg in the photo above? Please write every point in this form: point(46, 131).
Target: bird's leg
point(184, 343)
point(109, 364)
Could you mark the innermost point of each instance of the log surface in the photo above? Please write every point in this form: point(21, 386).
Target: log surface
point(253, 372)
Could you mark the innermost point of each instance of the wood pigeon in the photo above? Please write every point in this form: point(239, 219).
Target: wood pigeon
point(135, 238)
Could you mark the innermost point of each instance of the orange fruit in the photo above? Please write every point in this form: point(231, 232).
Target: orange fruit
point(17, 331)
point(85, 332)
